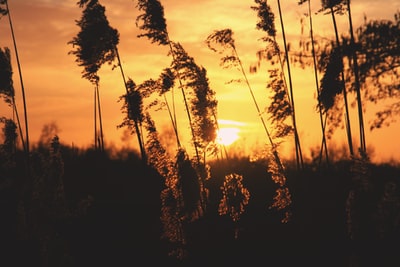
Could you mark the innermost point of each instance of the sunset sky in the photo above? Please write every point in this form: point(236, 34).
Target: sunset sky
point(56, 92)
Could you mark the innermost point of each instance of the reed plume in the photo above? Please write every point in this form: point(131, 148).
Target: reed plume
point(198, 98)
point(378, 54)
point(91, 53)
point(7, 91)
point(333, 7)
point(283, 92)
point(133, 108)
point(305, 45)
point(6, 11)
point(179, 203)
point(224, 38)
point(154, 26)
point(235, 197)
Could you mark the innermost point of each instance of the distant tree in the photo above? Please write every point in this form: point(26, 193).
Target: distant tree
point(49, 132)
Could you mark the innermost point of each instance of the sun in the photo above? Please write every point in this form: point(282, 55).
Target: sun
point(227, 136)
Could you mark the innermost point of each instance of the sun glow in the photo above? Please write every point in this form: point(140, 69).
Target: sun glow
point(227, 135)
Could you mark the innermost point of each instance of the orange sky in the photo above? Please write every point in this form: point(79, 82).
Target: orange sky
point(56, 92)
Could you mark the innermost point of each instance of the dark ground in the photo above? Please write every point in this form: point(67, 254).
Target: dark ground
point(121, 226)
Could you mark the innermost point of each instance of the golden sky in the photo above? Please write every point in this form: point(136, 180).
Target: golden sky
point(56, 92)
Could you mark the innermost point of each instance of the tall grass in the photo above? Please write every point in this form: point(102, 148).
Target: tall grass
point(224, 38)
point(338, 7)
point(6, 11)
point(7, 90)
point(299, 156)
point(92, 54)
point(322, 117)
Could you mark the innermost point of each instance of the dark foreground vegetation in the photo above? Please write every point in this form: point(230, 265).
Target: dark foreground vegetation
point(90, 209)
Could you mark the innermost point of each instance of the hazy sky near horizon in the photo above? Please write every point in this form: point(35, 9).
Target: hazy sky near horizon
point(56, 92)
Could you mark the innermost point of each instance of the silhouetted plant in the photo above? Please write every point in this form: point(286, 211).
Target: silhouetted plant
point(10, 136)
point(95, 45)
point(6, 11)
point(339, 7)
point(133, 108)
point(152, 21)
point(44, 206)
point(198, 98)
point(377, 47)
point(388, 211)
point(201, 99)
point(8, 152)
point(224, 38)
point(358, 204)
point(173, 213)
point(331, 83)
point(6, 82)
point(235, 197)
point(282, 200)
point(7, 88)
point(357, 85)
point(203, 108)
point(312, 42)
point(154, 25)
point(299, 156)
point(280, 107)
point(3, 10)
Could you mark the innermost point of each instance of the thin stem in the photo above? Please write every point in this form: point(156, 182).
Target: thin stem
point(347, 116)
point(95, 117)
point(100, 119)
point(299, 157)
point(173, 121)
point(186, 105)
point(21, 80)
point(277, 159)
point(323, 145)
point(138, 132)
point(19, 123)
point(357, 85)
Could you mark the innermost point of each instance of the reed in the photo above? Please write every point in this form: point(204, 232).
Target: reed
point(224, 38)
point(6, 11)
point(322, 117)
point(338, 7)
point(92, 54)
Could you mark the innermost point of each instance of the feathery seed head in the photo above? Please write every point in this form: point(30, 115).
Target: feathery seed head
point(152, 21)
point(266, 17)
point(6, 82)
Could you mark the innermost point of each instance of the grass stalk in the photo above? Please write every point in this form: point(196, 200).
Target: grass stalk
point(26, 146)
point(299, 157)
point(363, 147)
point(322, 120)
point(346, 105)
